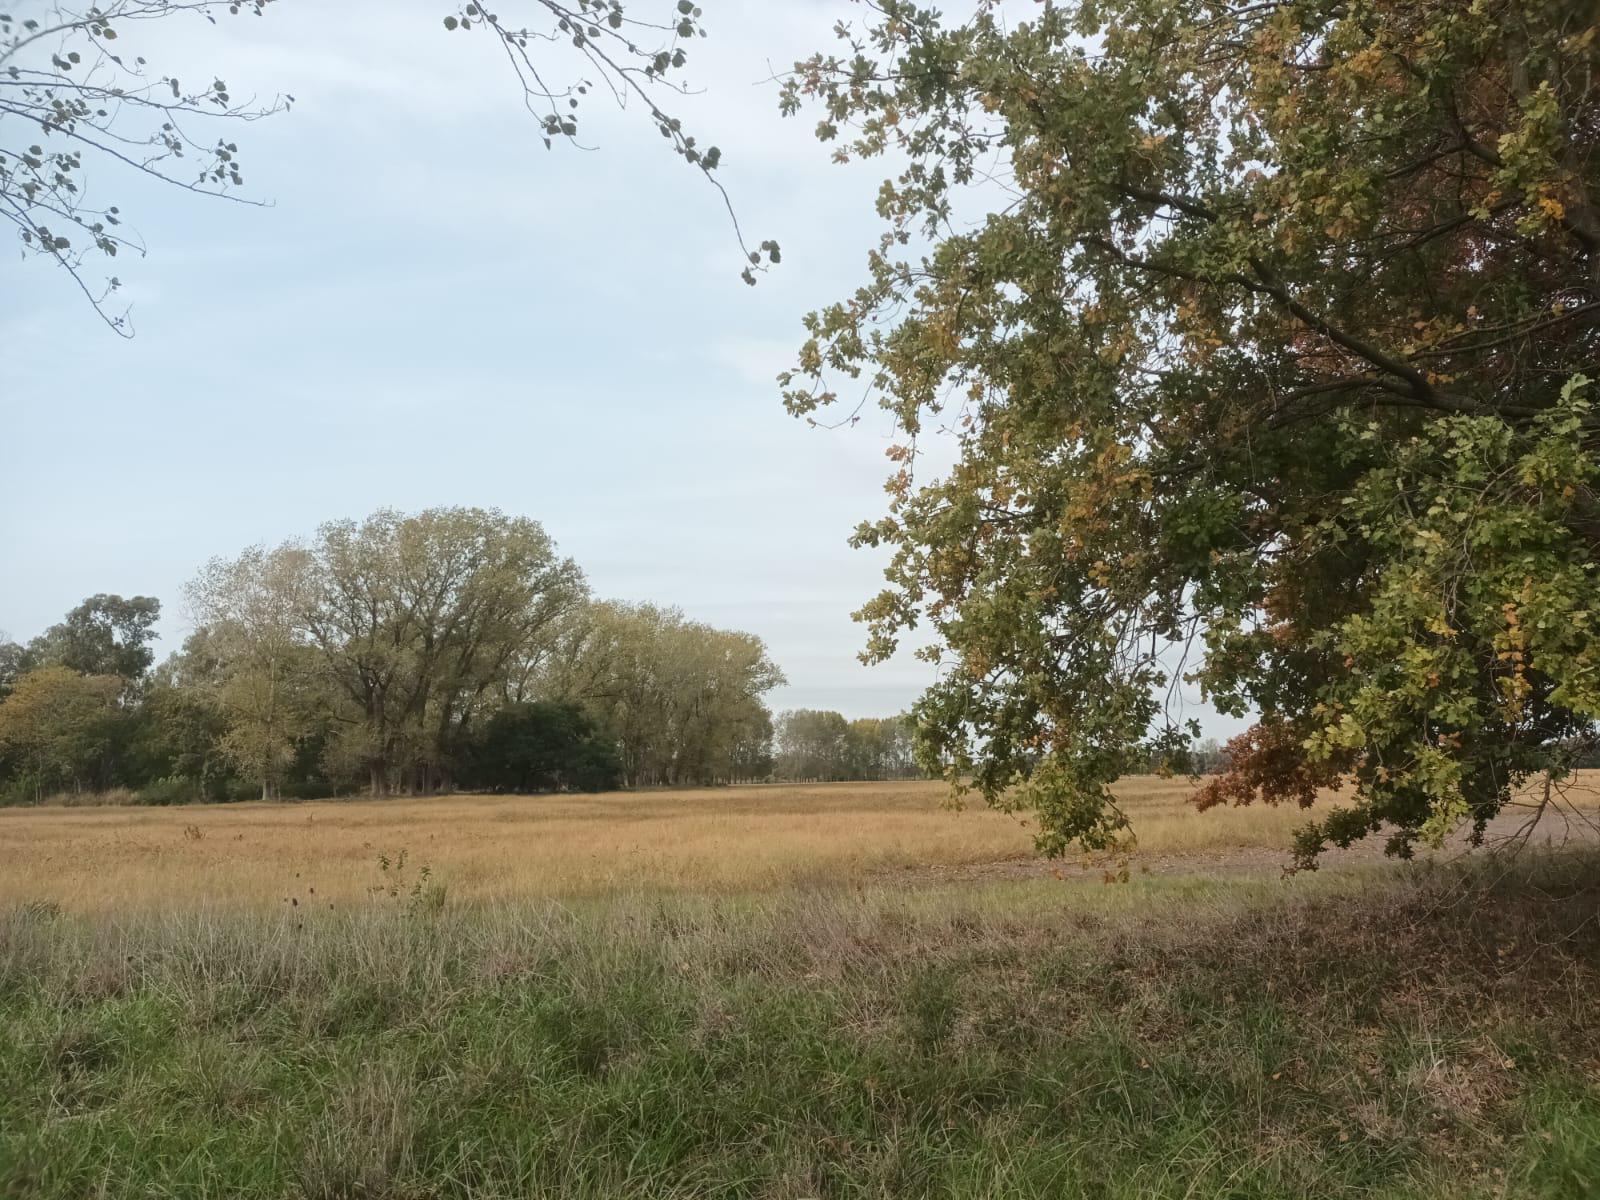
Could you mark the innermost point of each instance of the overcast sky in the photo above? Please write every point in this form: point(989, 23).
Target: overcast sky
point(435, 310)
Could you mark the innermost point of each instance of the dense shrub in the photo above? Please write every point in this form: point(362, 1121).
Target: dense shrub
point(541, 747)
point(172, 789)
point(21, 788)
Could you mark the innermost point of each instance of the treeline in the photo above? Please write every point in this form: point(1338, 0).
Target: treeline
point(400, 654)
point(407, 654)
point(1177, 756)
point(820, 745)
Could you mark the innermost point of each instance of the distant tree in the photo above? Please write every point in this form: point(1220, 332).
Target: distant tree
point(258, 668)
point(386, 638)
point(105, 635)
point(812, 744)
point(182, 734)
point(13, 664)
point(682, 700)
point(59, 727)
point(540, 747)
point(1209, 757)
point(419, 620)
point(1179, 753)
point(1265, 335)
point(822, 745)
point(750, 758)
point(882, 748)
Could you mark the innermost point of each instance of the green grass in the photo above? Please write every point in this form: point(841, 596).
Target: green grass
point(1374, 1035)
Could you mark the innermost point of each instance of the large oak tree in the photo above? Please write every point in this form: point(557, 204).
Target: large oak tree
point(1267, 355)
point(394, 633)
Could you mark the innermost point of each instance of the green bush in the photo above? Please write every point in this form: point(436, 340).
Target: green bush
point(541, 747)
point(20, 789)
point(174, 789)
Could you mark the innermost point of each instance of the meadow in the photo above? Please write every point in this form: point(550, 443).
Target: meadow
point(491, 848)
point(98, 858)
point(784, 993)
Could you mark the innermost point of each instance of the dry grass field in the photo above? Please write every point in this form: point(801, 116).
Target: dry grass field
point(498, 847)
point(778, 993)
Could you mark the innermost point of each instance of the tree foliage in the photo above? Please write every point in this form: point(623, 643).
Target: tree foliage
point(404, 653)
point(819, 744)
point(543, 746)
point(181, 737)
point(13, 665)
point(58, 727)
point(636, 59)
point(105, 635)
point(249, 657)
point(400, 627)
point(72, 99)
point(682, 700)
point(1267, 359)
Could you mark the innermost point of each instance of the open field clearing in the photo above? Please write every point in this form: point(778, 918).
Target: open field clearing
point(734, 994)
point(1397, 1034)
point(487, 848)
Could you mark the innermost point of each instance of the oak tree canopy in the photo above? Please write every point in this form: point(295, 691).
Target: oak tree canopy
point(1268, 358)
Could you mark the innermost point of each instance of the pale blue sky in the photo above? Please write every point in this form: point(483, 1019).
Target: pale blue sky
point(437, 310)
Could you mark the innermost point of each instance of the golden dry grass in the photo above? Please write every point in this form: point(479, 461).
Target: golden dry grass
point(499, 847)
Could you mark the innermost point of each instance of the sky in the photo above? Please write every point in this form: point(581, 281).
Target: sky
point(433, 309)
